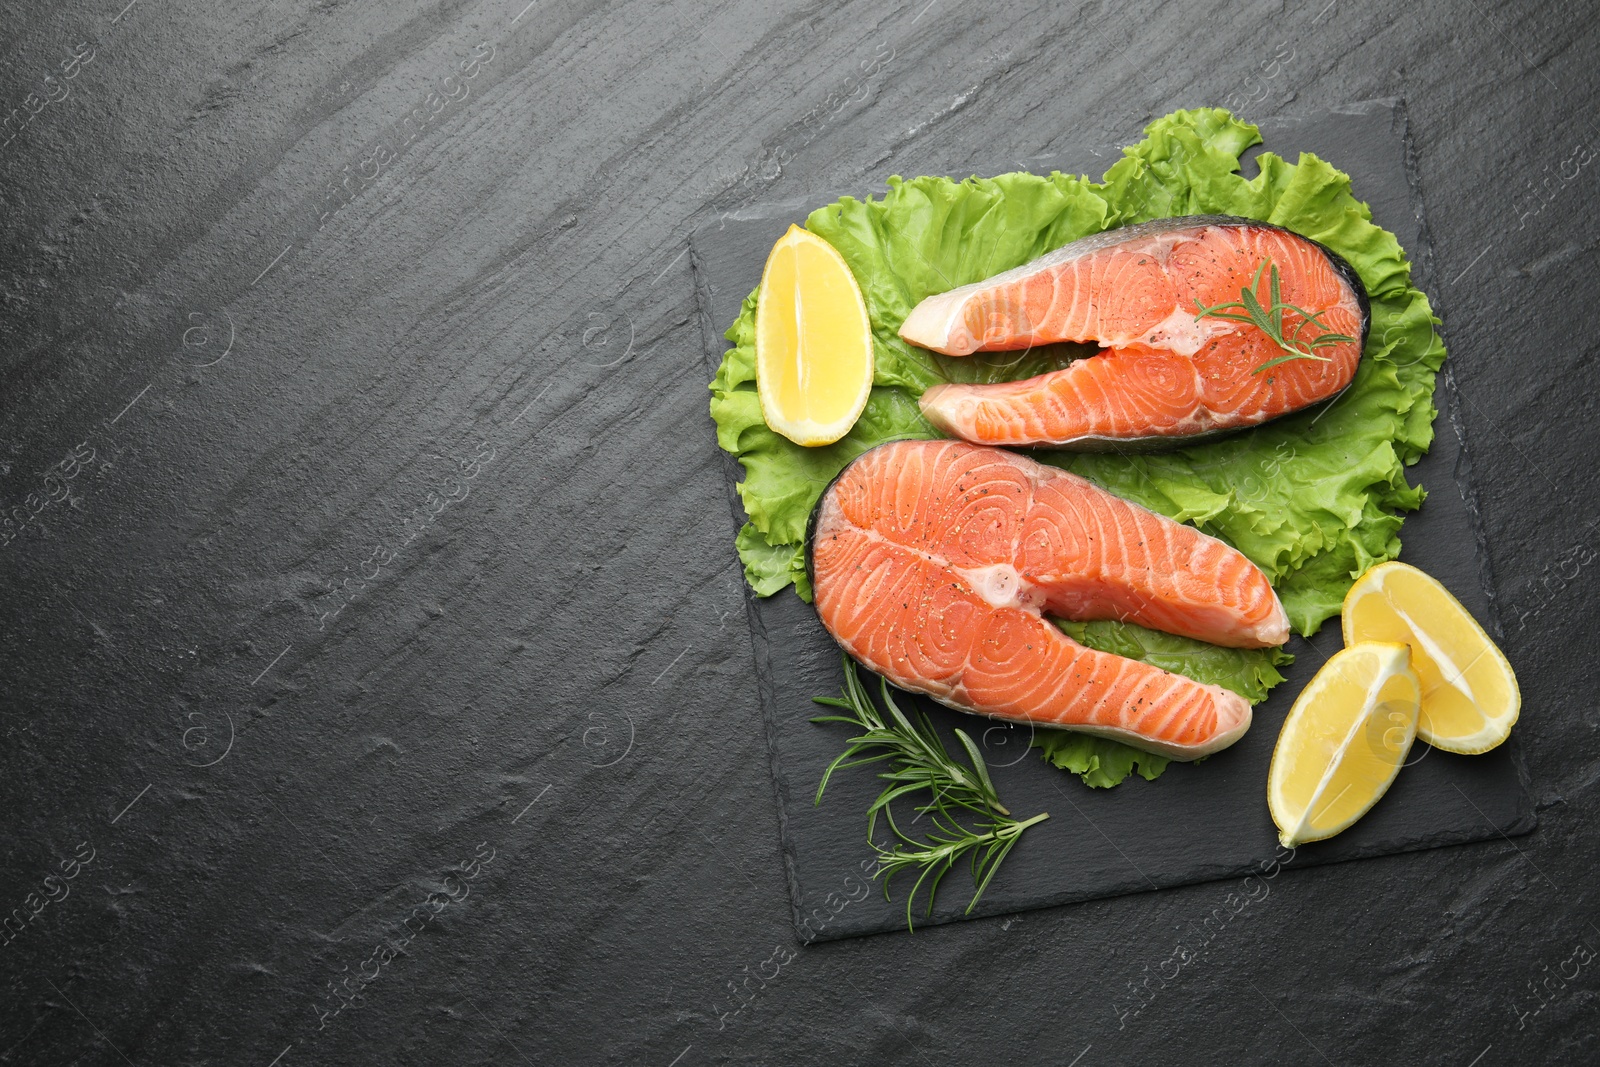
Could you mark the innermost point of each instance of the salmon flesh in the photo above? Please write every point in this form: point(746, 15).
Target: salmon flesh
point(1164, 377)
point(934, 564)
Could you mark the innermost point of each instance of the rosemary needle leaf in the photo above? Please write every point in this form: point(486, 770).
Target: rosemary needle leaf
point(982, 771)
point(1268, 318)
point(1258, 314)
point(1269, 364)
point(918, 760)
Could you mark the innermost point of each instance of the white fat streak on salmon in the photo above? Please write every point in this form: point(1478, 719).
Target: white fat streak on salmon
point(1001, 586)
point(932, 323)
point(1180, 332)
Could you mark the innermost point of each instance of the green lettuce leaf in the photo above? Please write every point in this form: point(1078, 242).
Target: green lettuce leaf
point(1103, 763)
point(1250, 672)
point(768, 568)
point(1099, 761)
point(1314, 499)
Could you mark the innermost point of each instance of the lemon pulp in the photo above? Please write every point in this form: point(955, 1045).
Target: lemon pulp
point(1343, 742)
point(1470, 698)
point(813, 341)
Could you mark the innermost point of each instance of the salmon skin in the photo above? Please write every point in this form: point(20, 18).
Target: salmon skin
point(1164, 378)
point(934, 562)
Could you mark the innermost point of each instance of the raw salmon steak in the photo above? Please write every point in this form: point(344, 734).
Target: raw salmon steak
point(1164, 376)
point(934, 563)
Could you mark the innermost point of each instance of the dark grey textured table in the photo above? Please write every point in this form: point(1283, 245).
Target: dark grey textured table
point(376, 681)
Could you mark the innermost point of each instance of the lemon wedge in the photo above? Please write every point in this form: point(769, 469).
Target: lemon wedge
point(1469, 694)
point(1343, 742)
point(813, 341)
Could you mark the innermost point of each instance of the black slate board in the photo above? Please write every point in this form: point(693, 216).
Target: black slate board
point(1196, 823)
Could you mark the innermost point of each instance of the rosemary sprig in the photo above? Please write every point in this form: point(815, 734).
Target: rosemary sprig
point(918, 760)
point(1269, 319)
